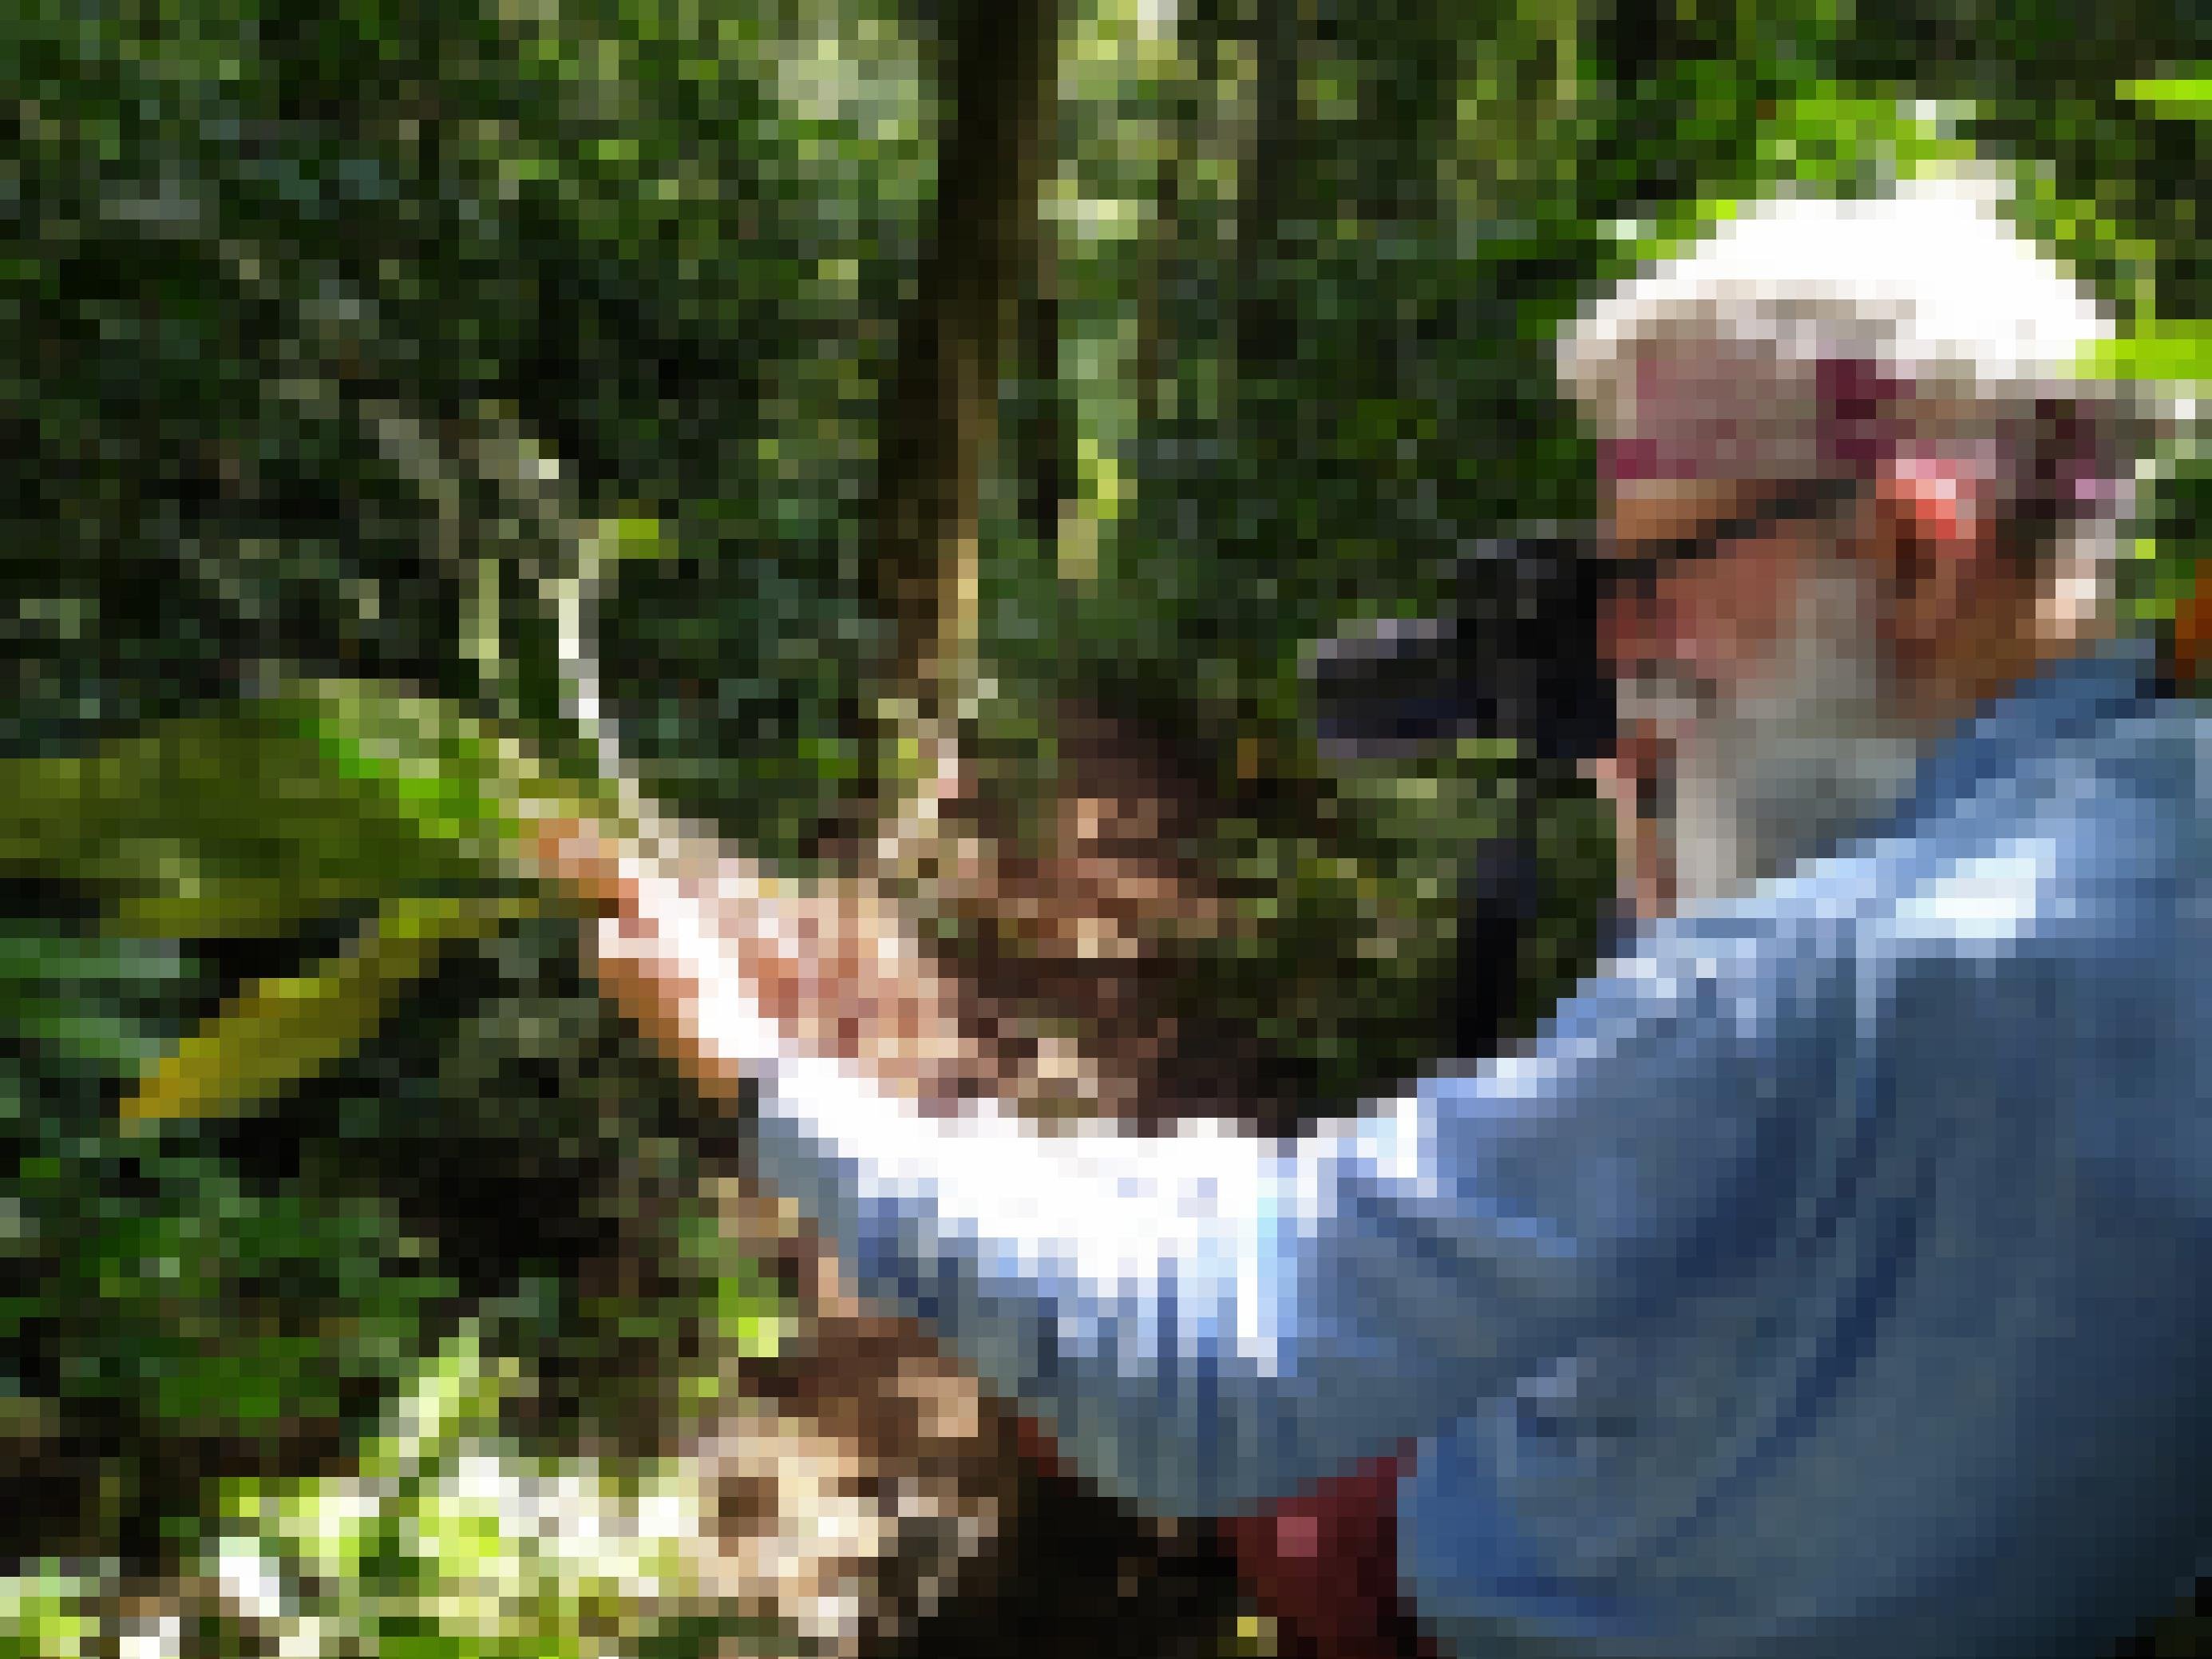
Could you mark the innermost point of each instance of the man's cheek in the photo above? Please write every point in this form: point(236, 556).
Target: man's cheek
point(1734, 614)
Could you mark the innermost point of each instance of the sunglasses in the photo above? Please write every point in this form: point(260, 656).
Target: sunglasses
point(1639, 573)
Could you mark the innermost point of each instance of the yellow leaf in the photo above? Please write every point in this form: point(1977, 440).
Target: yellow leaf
point(281, 1031)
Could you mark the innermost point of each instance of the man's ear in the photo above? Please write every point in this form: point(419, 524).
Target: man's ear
point(1934, 539)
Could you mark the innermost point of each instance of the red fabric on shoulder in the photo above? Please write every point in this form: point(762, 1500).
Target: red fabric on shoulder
point(1324, 1566)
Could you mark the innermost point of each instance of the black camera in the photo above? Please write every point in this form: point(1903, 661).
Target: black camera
point(1515, 656)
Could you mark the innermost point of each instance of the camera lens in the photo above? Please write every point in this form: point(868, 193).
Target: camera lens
point(1514, 657)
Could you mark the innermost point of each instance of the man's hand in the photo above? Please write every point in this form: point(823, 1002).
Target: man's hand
point(829, 969)
point(1627, 779)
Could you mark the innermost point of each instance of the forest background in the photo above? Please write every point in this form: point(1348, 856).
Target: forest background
point(1034, 377)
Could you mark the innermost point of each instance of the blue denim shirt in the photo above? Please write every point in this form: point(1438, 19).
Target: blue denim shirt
point(1823, 1280)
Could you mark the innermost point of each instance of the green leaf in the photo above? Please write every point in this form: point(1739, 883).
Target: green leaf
point(281, 1031)
point(637, 537)
point(2184, 95)
point(2178, 351)
point(51, 960)
point(197, 804)
point(456, 779)
point(333, 792)
point(86, 1035)
point(226, 906)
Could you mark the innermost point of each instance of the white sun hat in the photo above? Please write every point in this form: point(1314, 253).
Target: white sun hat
point(1811, 335)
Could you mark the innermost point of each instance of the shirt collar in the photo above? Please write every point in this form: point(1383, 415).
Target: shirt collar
point(2065, 699)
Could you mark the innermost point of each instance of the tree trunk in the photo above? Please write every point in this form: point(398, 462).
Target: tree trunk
point(1154, 300)
point(1263, 319)
point(939, 420)
point(1047, 463)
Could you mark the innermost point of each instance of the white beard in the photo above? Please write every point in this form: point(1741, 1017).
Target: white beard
point(1778, 771)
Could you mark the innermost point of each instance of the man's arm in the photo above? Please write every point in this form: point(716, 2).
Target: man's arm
point(1208, 1320)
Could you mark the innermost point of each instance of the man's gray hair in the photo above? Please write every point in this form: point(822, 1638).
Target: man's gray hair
point(1811, 336)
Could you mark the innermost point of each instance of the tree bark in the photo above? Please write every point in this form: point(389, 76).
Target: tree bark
point(939, 420)
point(1047, 445)
point(1155, 299)
point(1263, 319)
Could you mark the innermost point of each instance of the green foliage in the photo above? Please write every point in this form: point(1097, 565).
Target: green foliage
point(446, 1540)
point(191, 1302)
point(82, 999)
point(171, 1314)
point(214, 1307)
point(50, 1611)
point(454, 1540)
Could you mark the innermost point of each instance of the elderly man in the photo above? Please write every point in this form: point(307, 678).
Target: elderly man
point(1822, 1280)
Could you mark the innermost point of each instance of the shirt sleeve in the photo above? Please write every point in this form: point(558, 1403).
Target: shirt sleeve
point(1208, 1320)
